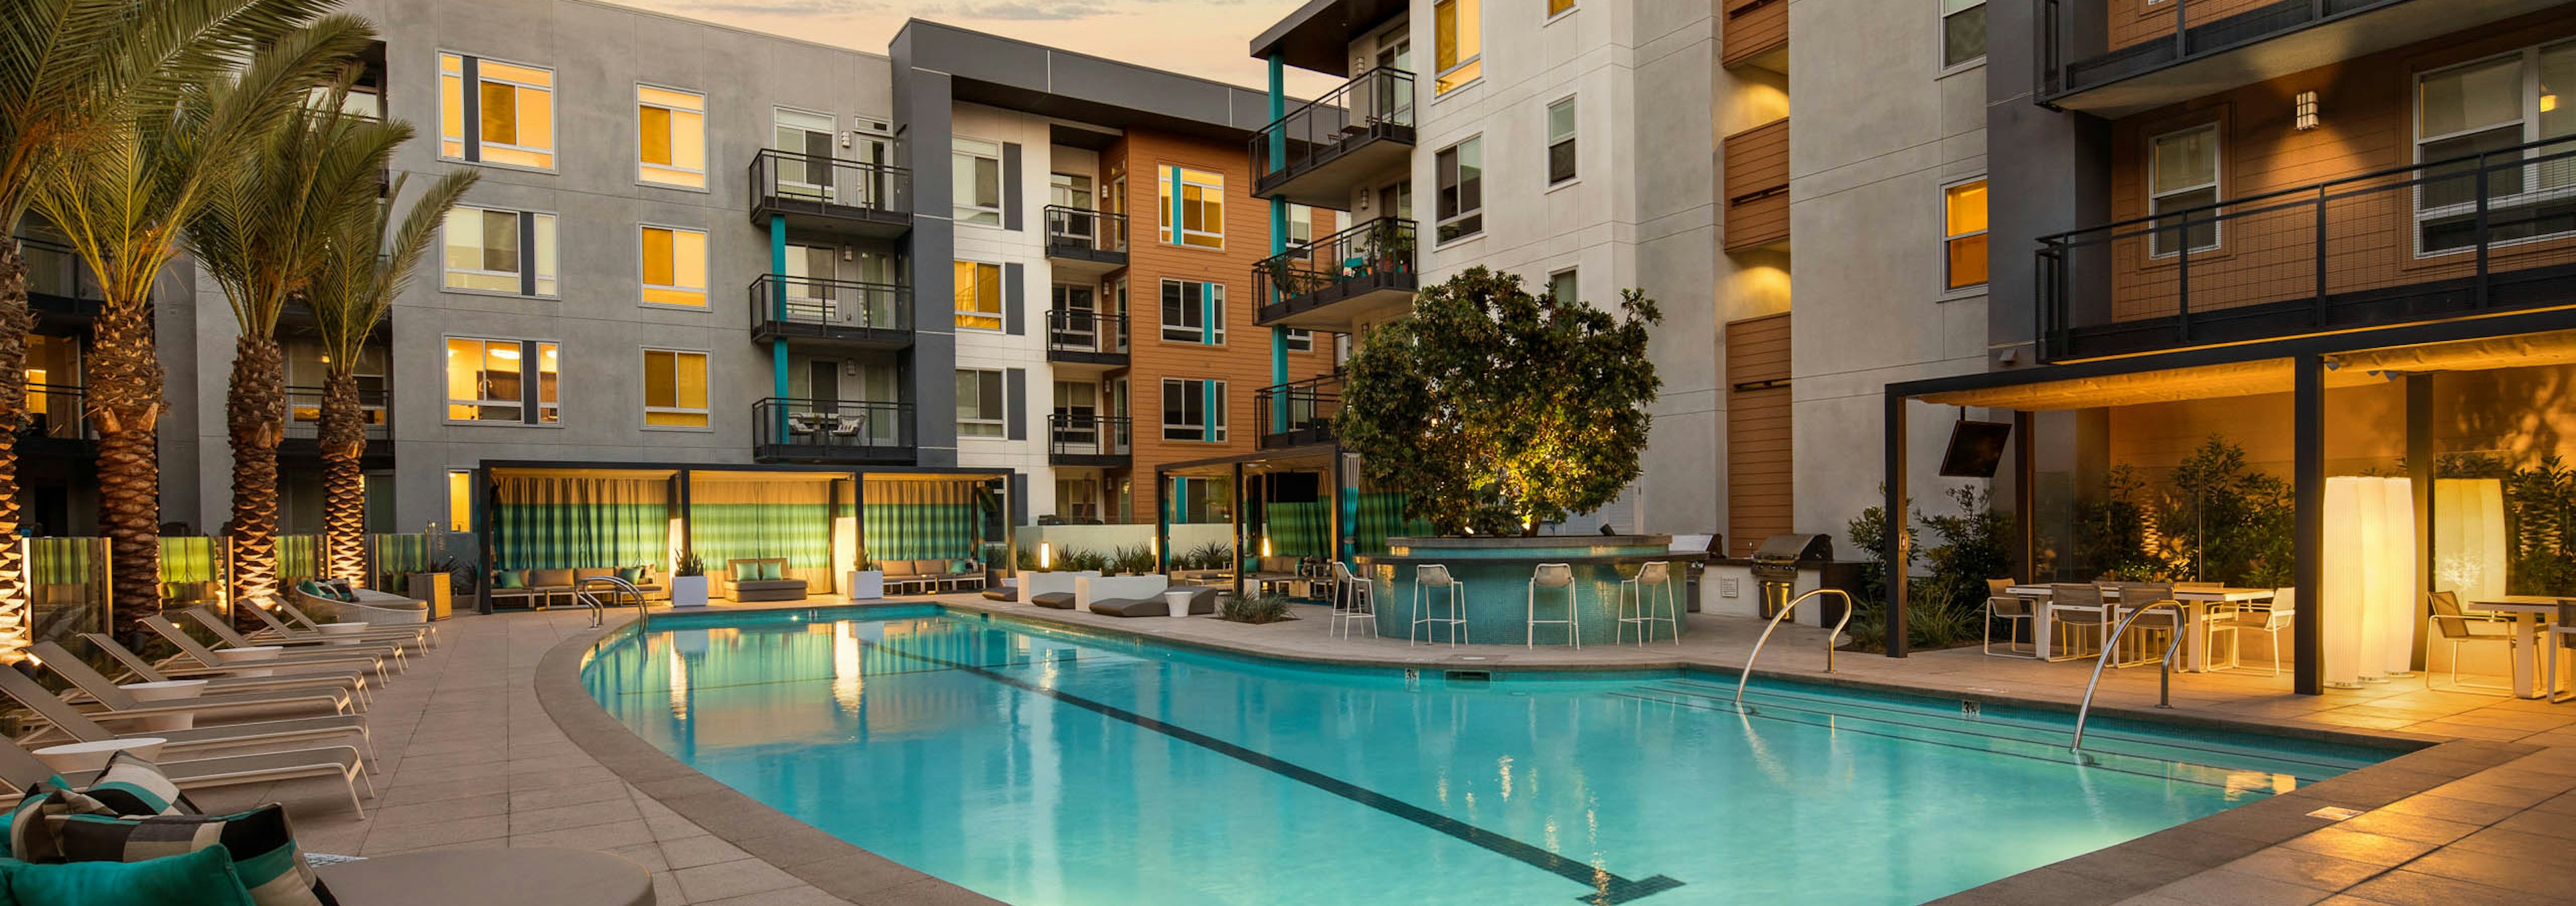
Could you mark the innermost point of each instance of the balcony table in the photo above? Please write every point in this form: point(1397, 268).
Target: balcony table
point(2530, 613)
point(2195, 607)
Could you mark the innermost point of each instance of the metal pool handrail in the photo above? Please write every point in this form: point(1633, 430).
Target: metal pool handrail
point(1785, 609)
point(2164, 668)
point(598, 613)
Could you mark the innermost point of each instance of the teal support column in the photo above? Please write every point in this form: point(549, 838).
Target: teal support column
point(1278, 238)
point(778, 305)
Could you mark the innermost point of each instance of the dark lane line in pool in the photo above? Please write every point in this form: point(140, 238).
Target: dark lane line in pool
point(1608, 887)
point(866, 674)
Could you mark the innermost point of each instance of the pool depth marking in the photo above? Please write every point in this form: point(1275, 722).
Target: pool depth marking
point(1608, 887)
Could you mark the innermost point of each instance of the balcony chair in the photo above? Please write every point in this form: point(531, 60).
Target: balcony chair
point(2015, 611)
point(2076, 608)
point(2269, 618)
point(2461, 628)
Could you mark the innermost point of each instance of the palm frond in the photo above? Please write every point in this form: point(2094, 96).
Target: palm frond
point(373, 259)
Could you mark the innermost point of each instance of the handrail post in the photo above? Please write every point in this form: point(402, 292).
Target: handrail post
point(1747, 676)
point(2164, 668)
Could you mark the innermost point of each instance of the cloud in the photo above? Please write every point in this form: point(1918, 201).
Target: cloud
point(1029, 11)
point(773, 7)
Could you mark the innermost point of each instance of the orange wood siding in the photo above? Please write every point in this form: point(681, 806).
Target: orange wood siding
point(1757, 186)
point(1243, 362)
point(2267, 250)
point(1754, 28)
point(2136, 21)
point(1760, 499)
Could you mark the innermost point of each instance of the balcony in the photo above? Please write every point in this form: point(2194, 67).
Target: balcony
point(830, 194)
point(1757, 187)
point(1081, 337)
point(842, 312)
point(1297, 414)
point(2112, 58)
point(849, 432)
point(54, 423)
point(2465, 236)
point(1085, 243)
point(1088, 440)
point(304, 413)
point(1364, 274)
point(1757, 34)
point(57, 282)
point(1351, 137)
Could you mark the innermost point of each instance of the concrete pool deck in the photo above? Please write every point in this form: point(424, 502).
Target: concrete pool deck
point(2480, 813)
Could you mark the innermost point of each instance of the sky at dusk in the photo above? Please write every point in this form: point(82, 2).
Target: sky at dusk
point(1208, 38)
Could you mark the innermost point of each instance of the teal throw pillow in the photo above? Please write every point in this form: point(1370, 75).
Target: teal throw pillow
point(205, 877)
point(964, 566)
point(630, 574)
point(509, 578)
point(772, 569)
point(261, 842)
point(746, 571)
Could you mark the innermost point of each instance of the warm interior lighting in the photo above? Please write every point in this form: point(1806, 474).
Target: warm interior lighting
point(2548, 103)
point(505, 352)
point(1046, 555)
point(1265, 545)
point(2369, 593)
point(2469, 544)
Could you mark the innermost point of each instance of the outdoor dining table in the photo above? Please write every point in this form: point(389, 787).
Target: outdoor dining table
point(2530, 613)
point(2195, 607)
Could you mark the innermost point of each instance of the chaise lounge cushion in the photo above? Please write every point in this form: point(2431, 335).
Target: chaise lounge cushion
point(543, 579)
point(1132, 607)
point(1202, 597)
point(1055, 600)
point(1004, 593)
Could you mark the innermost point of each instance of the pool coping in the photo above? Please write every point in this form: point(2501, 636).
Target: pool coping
point(2106, 875)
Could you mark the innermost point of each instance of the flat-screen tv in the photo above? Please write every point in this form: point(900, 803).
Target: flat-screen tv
point(1296, 487)
point(1976, 448)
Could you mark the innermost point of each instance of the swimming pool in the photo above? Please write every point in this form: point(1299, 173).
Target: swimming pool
point(1039, 766)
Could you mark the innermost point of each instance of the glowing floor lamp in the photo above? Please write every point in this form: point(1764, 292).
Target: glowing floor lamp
point(2369, 578)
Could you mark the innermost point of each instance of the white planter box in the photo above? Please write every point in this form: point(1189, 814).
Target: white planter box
point(688, 591)
point(867, 584)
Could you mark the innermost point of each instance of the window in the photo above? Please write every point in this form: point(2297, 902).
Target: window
point(2480, 109)
point(495, 113)
point(1301, 226)
point(1963, 32)
point(1458, 27)
point(1300, 339)
point(2182, 173)
point(1194, 312)
point(1963, 234)
point(979, 295)
point(1565, 286)
point(675, 389)
point(1559, 7)
point(1460, 170)
point(487, 381)
point(975, 181)
point(1560, 141)
point(500, 251)
point(1193, 201)
point(675, 267)
point(460, 500)
point(671, 136)
point(979, 403)
point(1194, 410)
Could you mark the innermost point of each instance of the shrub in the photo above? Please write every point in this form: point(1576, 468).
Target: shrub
point(1074, 559)
point(1265, 608)
point(1138, 559)
point(1212, 555)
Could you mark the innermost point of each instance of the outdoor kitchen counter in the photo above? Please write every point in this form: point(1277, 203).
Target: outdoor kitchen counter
point(1496, 573)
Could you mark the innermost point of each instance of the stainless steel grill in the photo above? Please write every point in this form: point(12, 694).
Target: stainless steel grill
point(1777, 562)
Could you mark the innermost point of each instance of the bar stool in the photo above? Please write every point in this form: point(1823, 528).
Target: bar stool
point(1553, 575)
point(1353, 601)
point(1656, 575)
point(1428, 576)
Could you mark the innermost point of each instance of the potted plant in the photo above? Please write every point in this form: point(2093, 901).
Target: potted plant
point(689, 583)
point(868, 581)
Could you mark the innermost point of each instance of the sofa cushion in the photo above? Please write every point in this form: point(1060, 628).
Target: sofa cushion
point(1132, 607)
point(550, 578)
point(1055, 600)
point(631, 575)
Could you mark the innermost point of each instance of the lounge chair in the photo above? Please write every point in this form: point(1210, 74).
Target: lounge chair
point(1202, 601)
point(369, 606)
point(123, 705)
point(337, 729)
point(219, 679)
point(416, 634)
point(21, 769)
point(304, 621)
point(348, 658)
point(231, 638)
point(1053, 600)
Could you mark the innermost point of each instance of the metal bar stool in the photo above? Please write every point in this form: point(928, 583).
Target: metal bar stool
point(1553, 575)
point(1353, 601)
point(1656, 575)
point(1428, 576)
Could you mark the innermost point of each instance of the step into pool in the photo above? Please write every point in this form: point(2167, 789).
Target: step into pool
point(1040, 766)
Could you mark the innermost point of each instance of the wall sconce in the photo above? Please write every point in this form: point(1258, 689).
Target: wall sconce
point(846, 138)
point(2548, 101)
point(849, 254)
point(2306, 111)
point(1046, 555)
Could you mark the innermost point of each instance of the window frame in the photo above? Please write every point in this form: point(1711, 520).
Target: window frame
point(646, 288)
point(1443, 220)
point(1571, 141)
point(706, 380)
point(1941, 38)
point(465, 505)
point(526, 256)
point(1560, 9)
point(643, 168)
point(1471, 25)
point(2216, 188)
point(1949, 286)
point(1178, 233)
point(1298, 339)
point(2530, 89)
point(1001, 306)
point(1576, 272)
point(1210, 331)
point(531, 391)
point(470, 134)
point(1212, 426)
point(1001, 422)
point(959, 210)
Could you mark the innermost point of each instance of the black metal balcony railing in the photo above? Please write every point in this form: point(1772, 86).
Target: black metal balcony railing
point(1086, 234)
point(1075, 439)
point(2462, 235)
point(830, 309)
point(54, 412)
point(1082, 335)
point(1377, 105)
point(1297, 413)
point(793, 183)
point(818, 430)
point(57, 281)
point(2074, 45)
point(304, 412)
point(1373, 256)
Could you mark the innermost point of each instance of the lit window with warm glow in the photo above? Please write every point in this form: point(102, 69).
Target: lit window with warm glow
point(675, 389)
point(490, 381)
point(1193, 203)
point(979, 295)
point(460, 500)
point(1458, 29)
point(495, 113)
point(671, 137)
point(495, 251)
point(1963, 234)
point(675, 266)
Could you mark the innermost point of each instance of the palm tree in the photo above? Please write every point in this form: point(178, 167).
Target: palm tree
point(59, 61)
point(367, 262)
point(149, 159)
point(263, 237)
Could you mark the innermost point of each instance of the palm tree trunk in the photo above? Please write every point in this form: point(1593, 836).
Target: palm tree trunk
point(17, 615)
point(255, 413)
point(344, 489)
point(125, 403)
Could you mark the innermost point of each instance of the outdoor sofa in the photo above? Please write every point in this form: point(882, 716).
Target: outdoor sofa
point(931, 575)
point(760, 579)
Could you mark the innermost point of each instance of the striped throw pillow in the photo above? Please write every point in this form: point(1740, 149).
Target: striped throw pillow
point(261, 842)
point(132, 786)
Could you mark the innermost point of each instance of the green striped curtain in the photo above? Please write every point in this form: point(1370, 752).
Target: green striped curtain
point(63, 561)
point(394, 558)
point(755, 519)
point(562, 522)
point(1382, 517)
point(299, 557)
point(1299, 529)
point(191, 559)
point(922, 520)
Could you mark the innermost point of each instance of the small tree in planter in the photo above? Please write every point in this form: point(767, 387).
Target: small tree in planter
point(689, 583)
point(1496, 410)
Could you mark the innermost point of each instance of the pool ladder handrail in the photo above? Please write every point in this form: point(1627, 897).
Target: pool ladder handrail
point(2164, 668)
point(599, 612)
point(1785, 610)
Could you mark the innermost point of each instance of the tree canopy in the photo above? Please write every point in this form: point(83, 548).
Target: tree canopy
point(1494, 410)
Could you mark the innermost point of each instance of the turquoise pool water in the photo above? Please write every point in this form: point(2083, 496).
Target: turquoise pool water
point(1040, 767)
